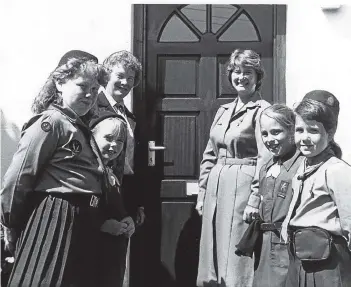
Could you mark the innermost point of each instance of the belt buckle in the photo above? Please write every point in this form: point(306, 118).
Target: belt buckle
point(94, 201)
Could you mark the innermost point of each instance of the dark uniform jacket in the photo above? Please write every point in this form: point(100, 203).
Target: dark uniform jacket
point(54, 155)
point(132, 197)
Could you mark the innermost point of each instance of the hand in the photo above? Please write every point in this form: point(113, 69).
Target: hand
point(199, 207)
point(10, 239)
point(250, 213)
point(140, 217)
point(130, 226)
point(114, 227)
point(10, 247)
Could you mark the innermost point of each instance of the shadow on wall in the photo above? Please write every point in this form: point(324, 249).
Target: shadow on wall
point(10, 135)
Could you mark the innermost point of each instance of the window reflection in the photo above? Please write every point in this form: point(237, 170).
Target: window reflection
point(220, 15)
point(197, 15)
point(176, 31)
point(241, 30)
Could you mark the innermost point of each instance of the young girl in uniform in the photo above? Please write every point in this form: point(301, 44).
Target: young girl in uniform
point(110, 132)
point(277, 130)
point(318, 222)
point(53, 186)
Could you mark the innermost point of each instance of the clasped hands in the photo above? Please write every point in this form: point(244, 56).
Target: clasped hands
point(114, 227)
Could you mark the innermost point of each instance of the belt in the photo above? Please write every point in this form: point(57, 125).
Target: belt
point(236, 161)
point(271, 226)
point(92, 200)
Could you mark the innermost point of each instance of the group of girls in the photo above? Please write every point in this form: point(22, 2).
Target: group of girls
point(60, 202)
point(305, 193)
point(280, 171)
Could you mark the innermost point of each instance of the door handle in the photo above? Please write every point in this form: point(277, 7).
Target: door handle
point(151, 152)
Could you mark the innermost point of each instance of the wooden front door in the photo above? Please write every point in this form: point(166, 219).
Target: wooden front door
point(185, 49)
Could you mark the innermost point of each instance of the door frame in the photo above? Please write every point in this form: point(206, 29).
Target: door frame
point(140, 109)
point(279, 53)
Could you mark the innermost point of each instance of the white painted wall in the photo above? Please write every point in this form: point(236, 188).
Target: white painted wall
point(318, 57)
point(34, 36)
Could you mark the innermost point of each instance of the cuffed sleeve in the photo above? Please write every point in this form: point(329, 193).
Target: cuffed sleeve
point(37, 144)
point(338, 181)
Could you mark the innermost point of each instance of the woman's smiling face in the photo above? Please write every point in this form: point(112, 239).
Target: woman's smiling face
point(311, 137)
point(121, 81)
point(244, 80)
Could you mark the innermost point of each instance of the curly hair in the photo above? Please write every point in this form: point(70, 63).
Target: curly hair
point(50, 95)
point(315, 110)
point(246, 58)
point(127, 60)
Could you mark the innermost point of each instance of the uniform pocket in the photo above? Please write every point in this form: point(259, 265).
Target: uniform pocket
point(248, 170)
point(279, 254)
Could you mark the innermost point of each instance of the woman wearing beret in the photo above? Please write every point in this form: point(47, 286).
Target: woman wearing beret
point(229, 174)
point(53, 187)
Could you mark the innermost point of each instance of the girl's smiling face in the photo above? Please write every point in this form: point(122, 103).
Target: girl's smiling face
point(107, 139)
point(311, 137)
point(277, 138)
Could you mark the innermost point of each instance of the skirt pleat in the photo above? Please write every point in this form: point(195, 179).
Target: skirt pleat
point(332, 272)
point(52, 245)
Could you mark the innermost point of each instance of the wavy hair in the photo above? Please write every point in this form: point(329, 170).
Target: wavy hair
point(50, 95)
point(246, 58)
point(127, 60)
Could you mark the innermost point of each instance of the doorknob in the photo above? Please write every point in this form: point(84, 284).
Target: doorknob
point(151, 152)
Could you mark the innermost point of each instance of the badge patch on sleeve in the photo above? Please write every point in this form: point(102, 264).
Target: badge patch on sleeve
point(283, 189)
point(75, 146)
point(46, 126)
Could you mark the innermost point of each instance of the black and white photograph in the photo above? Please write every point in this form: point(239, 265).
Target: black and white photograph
point(175, 145)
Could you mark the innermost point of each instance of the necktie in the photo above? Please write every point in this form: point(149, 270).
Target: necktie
point(120, 108)
point(274, 170)
point(296, 200)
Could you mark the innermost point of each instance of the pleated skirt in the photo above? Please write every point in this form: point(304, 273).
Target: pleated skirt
point(59, 244)
point(332, 272)
point(228, 189)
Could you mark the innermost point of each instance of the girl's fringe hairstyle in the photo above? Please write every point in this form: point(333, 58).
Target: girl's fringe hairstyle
point(315, 110)
point(282, 114)
point(50, 95)
point(118, 128)
point(246, 58)
point(127, 60)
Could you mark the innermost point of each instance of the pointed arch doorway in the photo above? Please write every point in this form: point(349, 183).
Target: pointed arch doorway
point(184, 50)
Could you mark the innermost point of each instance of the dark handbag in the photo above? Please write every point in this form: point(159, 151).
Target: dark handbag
point(312, 244)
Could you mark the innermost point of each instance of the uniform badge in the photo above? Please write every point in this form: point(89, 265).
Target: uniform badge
point(75, 146)
point(330, 101)
point(45, 126)
point(283, 189)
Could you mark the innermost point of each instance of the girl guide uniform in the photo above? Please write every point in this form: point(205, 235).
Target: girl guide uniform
point(320, 225)
point(51, 197)
point(276, 192)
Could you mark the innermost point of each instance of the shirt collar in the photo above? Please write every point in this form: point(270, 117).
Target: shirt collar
point(69, 113)
point(110, 99)
point(254, 102)
point(287, 161)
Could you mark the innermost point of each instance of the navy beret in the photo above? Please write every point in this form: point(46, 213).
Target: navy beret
point(77, 54)
point(102, 116)
point(326, 98)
